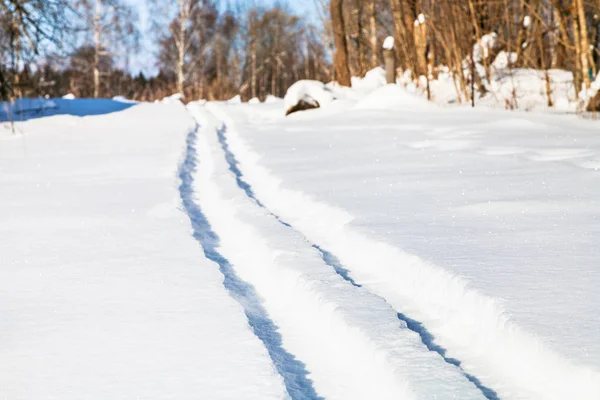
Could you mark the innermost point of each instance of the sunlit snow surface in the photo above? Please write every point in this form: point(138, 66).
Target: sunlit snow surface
point(483, 226)
point(379, 247)
point(104, 292)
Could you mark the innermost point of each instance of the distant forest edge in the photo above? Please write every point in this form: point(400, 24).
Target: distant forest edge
point(206, 51)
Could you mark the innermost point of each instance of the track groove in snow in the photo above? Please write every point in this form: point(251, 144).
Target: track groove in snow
point(331, 260)
point(471, 327)
point(350, 340)
point(293, 372)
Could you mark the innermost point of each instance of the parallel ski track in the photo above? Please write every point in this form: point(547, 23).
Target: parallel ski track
point(383, 358)
point(293, 372)
point(331, 260)
point(519, 366)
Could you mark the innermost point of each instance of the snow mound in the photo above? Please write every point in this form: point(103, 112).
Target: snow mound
point(393, 97)
point(311, 92)
point(374, 79)
point(504, 60)
point(123, 99)
point(235, 100)
point(174, 98)
point(272, 99)
point(69, 96)
point(254, 100)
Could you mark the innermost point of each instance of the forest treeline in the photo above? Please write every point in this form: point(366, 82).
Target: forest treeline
point(206, 50)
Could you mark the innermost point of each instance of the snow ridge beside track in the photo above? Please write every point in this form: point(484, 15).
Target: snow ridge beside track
point(471, 326)
point(350, 340)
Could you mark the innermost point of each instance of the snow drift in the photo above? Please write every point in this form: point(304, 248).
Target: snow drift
point(393, 97)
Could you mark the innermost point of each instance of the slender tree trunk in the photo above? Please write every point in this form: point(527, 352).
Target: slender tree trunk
point(585, 44)
point(341, 48)
point(97, 48)
point(253, 55)
point(181, 45)
point(389, 55)
point(373, 34)
point(578, 59)
point(401, 36)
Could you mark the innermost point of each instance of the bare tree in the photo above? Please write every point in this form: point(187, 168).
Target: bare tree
point(107, 25)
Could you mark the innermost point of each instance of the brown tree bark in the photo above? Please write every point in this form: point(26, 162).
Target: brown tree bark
point(403, 34)
point(585, 44)
point(341, 47)
point(373, 33)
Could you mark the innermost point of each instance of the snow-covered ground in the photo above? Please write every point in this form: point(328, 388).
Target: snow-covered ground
point(379, 247)
point(104, 292)
point(480, 228)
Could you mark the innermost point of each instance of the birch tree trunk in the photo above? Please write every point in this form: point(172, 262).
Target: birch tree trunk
point(97, 48)
point(254, 93)
point(585, 44)
point(181, 45)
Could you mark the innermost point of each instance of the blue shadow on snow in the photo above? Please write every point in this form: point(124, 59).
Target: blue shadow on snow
point(294, 373)
point(429, 341)
point(26, 109)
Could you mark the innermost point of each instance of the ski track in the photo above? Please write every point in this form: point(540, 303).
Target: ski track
point(351, 341)
point(293, 372)
point(516, 364)
point(331, 260)
point(327, 257)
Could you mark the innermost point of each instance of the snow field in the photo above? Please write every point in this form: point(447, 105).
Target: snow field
point(351, 341)
point(104, 294)
point(472, 327)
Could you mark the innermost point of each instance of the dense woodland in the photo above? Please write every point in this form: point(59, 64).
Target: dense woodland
point(209, 50)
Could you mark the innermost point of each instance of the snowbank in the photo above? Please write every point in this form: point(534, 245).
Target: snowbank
point(174, 98)
point(69, 96)
point(393, 97)
point(254, 100)
point(235, 100)
point(270, 99)
point(123, 99)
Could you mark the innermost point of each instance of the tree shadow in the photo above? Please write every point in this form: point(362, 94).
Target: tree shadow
point(27, 109)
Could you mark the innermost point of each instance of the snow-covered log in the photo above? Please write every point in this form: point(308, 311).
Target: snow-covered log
point(306, 95)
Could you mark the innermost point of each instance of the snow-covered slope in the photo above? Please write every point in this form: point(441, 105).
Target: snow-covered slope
point(104, 292)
